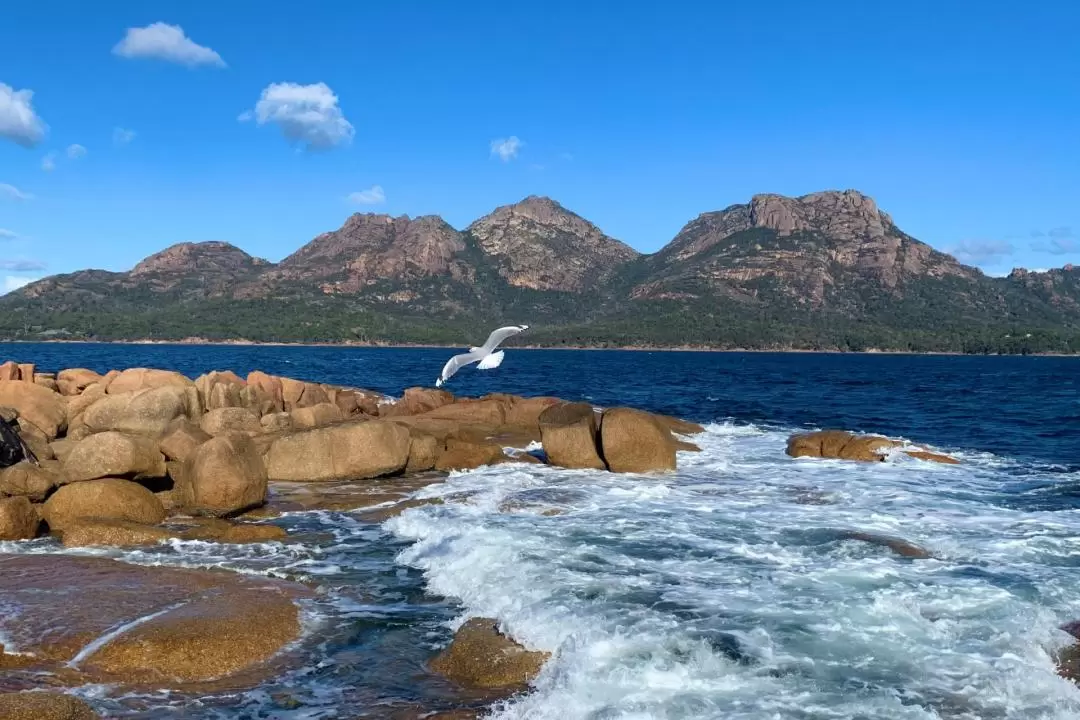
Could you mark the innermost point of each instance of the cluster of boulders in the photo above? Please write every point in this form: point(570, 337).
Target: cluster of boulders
point(120, 453)
point(843, 445)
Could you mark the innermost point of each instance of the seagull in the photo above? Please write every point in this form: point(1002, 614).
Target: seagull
point(485, 354)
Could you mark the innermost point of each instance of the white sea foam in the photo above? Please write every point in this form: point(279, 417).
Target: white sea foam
point(727, 590)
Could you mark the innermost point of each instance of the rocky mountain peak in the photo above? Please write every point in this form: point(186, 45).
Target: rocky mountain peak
point(370, 247)
point(539, 244)
point(847, 214)
point(198, 257)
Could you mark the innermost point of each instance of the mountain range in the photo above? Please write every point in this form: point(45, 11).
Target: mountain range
point(829, 270)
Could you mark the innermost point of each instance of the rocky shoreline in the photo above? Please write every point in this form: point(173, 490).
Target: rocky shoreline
point(143, 456)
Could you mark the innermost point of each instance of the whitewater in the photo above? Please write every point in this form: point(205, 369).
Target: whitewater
point(729, 590)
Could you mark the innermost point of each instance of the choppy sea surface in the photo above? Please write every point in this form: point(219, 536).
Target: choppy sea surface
point(729, 589)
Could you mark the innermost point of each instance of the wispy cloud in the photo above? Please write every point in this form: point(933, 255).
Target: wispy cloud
point(374, 195)
point(22, 265)
point(18, 121)
point(122, 136)
point(307, 114)
point(76, 151)
point(1058, 241)
point(161, 41)
point(14, 282)
point(48, 163)
point(981, 251)
point(506, 148)
point(8, 234)
point(11, 192)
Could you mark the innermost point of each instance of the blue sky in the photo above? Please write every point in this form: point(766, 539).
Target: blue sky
point(128, 126)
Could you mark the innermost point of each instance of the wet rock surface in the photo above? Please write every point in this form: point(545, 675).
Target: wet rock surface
point(114, 622)
point(481, 656)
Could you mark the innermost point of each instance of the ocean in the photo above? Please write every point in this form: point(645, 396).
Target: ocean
point(729, 589)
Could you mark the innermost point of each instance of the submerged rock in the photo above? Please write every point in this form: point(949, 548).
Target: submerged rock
point(932, 457)
point(482, 657)
point(843, 445)
point(122, 533)
point(840, 444)
point(899, 546)
point(1069, 658)
point(44, 706)
point(192, 626)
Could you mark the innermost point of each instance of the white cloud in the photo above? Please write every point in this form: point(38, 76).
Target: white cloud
point(76, 151)
point(48, 163)
point(18, 121)
point(13, 193)
point(162, 41)
point(8, 234)
point(980, 251)
point(307, 114)
point(374, 195)
point(506, 148)
point(122, 136)
point(14, 282)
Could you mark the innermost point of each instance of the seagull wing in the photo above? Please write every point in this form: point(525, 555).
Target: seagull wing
point(456, 363)
point(501, 334)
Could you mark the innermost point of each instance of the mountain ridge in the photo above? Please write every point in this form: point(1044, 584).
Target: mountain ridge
point(823, 270)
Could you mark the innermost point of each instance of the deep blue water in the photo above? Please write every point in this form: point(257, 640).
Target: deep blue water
point(1026, 408)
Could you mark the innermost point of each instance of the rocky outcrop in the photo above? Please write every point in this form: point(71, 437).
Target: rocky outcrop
point(464, 455)
point(18, 519)
point(28, 480)
point(113, 454)
point(230, 419)
point(348, 451)
point(636, 442)
point(109, 498)
point(135, 379)
point(482, 657)
point(569, 434)
point(149, 412)
point(39, 406)
point(225, 476)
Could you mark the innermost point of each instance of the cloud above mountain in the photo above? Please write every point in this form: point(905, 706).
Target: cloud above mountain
point(506, 149)
point(372, 196)
point(308, 115)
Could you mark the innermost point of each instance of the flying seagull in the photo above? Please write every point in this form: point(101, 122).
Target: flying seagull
point(485, 354)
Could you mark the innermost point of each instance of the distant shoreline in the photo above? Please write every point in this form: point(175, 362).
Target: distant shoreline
point(624, 348)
